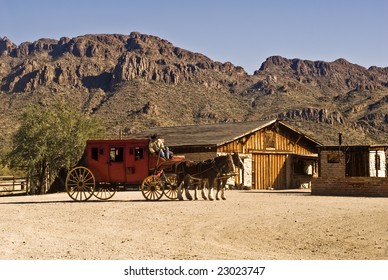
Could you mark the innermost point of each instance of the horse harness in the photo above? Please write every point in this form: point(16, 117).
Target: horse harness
point(214, 166)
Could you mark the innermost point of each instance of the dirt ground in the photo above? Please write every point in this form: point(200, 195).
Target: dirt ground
point(286, 225)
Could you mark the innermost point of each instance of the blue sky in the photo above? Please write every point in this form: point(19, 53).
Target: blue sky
point(243, 32)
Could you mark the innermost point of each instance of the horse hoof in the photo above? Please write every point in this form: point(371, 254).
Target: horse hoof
point(223, 198)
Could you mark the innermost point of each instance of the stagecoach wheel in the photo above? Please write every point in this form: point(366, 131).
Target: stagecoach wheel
point(80, 183)
point(152, 188)
point(104, 192)
point(171, 186)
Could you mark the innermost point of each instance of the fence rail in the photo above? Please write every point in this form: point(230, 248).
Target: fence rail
point(12, 184)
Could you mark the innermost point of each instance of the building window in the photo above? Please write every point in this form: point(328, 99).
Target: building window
point(304, 167)
point(378, 162)
point(269, 140)
point(357, 164)
point(299, 166)
point(333, 157)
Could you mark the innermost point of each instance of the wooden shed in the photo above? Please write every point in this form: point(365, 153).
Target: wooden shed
point(275, 155)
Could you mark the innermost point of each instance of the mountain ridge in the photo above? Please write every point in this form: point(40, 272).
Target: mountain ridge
point(138, 81)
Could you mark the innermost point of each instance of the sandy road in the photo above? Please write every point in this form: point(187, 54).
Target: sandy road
point(248, 225)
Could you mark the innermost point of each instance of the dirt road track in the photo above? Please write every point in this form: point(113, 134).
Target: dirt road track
point(248, 225)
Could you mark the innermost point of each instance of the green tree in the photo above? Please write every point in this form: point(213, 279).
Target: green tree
point(50, 139)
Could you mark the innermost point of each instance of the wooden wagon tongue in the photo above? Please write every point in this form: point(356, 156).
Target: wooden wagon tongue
point(230, 174)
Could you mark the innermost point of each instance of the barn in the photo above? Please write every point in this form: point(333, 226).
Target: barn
point(275, 155)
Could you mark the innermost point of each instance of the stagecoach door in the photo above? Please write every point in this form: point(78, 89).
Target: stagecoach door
point(116, 165)
point(136, 163)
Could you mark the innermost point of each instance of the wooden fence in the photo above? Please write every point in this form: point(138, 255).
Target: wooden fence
point(11, 184)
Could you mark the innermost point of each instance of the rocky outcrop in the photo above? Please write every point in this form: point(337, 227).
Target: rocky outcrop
point(28, 76)
point(81, 61)
point(98, 46)
point(337, 75)
point(132, 66)
point(319, 115)
point(6, 46)
point(102, 46)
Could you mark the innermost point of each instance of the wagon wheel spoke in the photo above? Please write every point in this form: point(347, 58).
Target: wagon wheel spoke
point(104, 192)
point(171, 186)
point(80, 183)
point(152, 188)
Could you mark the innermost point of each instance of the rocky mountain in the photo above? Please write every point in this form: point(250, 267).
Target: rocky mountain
point(137, 81)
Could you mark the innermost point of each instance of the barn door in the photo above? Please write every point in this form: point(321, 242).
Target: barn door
point(270, 171)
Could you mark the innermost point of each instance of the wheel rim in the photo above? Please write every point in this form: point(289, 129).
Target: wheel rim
point(104, 192)
point(80, 183)
point(152, 188)
point(171, 186)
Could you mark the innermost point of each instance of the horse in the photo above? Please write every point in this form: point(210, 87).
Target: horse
point(223, 178)
point(202, 171)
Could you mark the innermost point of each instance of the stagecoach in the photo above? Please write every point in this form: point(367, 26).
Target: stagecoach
point(109, 164)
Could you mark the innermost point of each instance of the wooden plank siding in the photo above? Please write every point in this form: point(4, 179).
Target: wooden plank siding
point(270, 171)
point(271, 166)
point(285, 141)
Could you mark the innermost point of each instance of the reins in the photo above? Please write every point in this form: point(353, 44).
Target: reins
point(203, 171)
point(215, 167)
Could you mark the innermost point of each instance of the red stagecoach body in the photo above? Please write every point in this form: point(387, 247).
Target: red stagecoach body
point(125, 162)
point(119, 161)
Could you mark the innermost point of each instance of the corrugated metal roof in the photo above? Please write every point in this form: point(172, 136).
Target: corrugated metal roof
point(207, 135)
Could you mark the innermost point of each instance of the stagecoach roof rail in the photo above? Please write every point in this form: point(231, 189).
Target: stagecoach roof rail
point(122, 137)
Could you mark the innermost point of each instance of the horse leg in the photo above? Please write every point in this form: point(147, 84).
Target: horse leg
point(223, 188)
point(179, 191)
point(218, 189)
point(187, 185)
point(211, 185)
point(204, 196)
point(188, 195)
point(196, 191)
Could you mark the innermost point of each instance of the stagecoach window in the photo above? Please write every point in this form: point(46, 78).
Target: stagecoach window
point(95, 153)
point(116, 154)
point(138, 153)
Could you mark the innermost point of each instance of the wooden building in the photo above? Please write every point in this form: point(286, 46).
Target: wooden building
point(275, 155)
